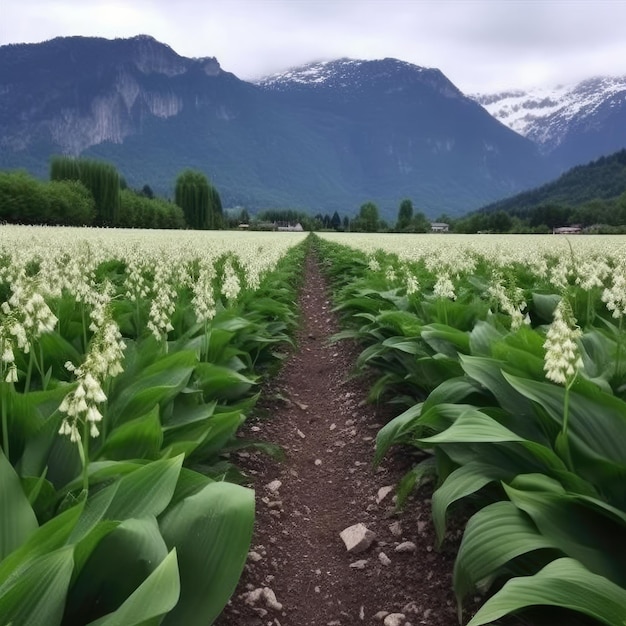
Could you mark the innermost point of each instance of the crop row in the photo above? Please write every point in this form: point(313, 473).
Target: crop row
point(128, 363)
point(510, 363)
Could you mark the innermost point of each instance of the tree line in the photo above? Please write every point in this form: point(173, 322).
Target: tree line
point(86, 192)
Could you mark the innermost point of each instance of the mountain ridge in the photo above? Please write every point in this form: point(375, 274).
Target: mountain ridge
point(377, 130)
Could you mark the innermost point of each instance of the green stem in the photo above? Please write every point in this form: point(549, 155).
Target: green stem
point(83, 450)
point(5, 424)
point(82, 311)
point(44, 384)
point(29, 371)
point(566, 408)
point(618, 353)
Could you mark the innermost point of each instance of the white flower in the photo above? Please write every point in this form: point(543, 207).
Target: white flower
point(562, 360)
point(11, 376)
point(444, 288)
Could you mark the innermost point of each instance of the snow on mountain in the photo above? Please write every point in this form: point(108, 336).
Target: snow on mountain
point(356, 74)
point(546, 115)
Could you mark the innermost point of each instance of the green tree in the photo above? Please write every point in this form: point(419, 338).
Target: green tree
point(192, 194)
point(405, 214)
point(102, 180)
point(368, 219)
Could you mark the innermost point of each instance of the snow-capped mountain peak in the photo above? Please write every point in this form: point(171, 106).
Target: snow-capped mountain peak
point(544, 114)
point(356, 74)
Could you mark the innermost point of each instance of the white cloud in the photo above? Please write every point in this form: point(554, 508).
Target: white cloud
point(480, 45)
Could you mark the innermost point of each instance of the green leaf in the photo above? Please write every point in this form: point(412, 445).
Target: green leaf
point(414, 478)
point(585, 533)
point(211, 531)
point(37, 596)
point(221, 383)
point(120, 562)
point(462, 482)
point(565, 583)
point(17, 518)
point(141, 437)
point(394, 430)
point(220, 429)
point(50, 536)
point(596, 424)
point(446, 339)
point(474, 426)
point(157, 595)
point(146, 491)
point(495, 535)
point(157, 384)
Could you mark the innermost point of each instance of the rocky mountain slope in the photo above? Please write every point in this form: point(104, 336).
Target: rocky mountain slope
point(324, 137)
point(571, 123)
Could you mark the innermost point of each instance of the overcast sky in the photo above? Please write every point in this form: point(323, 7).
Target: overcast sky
point(481, 45)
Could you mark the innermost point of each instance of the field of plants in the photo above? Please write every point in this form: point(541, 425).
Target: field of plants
point(129, 359)
point(506, 357)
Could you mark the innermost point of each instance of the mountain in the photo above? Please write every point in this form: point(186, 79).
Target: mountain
point(571, 123)
point(323, 137)
point(598, 181)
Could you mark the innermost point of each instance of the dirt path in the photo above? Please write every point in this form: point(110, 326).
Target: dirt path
point(327, 483)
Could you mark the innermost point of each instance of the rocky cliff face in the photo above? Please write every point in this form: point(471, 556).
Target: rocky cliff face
point(325, 137)
point(85, 91)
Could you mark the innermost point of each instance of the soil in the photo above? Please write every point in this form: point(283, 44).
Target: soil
point(317, 412)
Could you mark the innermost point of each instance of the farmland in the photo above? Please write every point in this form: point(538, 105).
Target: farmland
point(131, 360)
point(508, 356)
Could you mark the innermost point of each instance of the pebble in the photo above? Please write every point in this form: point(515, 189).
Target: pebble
point(383, 492)
point(396, 529)
point(384, 559)
point(394, 619)
point(274, 486)
point(357, 538)
point(406, 546)
point(360, 564)
point(318, 462)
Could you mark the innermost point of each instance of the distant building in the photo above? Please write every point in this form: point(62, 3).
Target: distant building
point(291, 227)
point(567, 230)
point(439, 227)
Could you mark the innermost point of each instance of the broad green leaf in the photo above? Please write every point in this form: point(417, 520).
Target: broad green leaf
point(394, 430)
point(446, 339)
point(495, 535)
point(141, 437)
point(211, 531)
point(37, 596)
point(462, 482)
point(146, 491)
point(157, 384)
point(579, 531)
point(425, 470)
point(474, 426)
point(221, 383)
point(50, 536)
point(451, 391)
point(157, 595)
point(120, 562)
point(544, 305)
point(220, 429)
point(17, 518)
point(565, 583)
point(488, 373)
point(596, 424)
point(482, 337)
point(403, 345)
